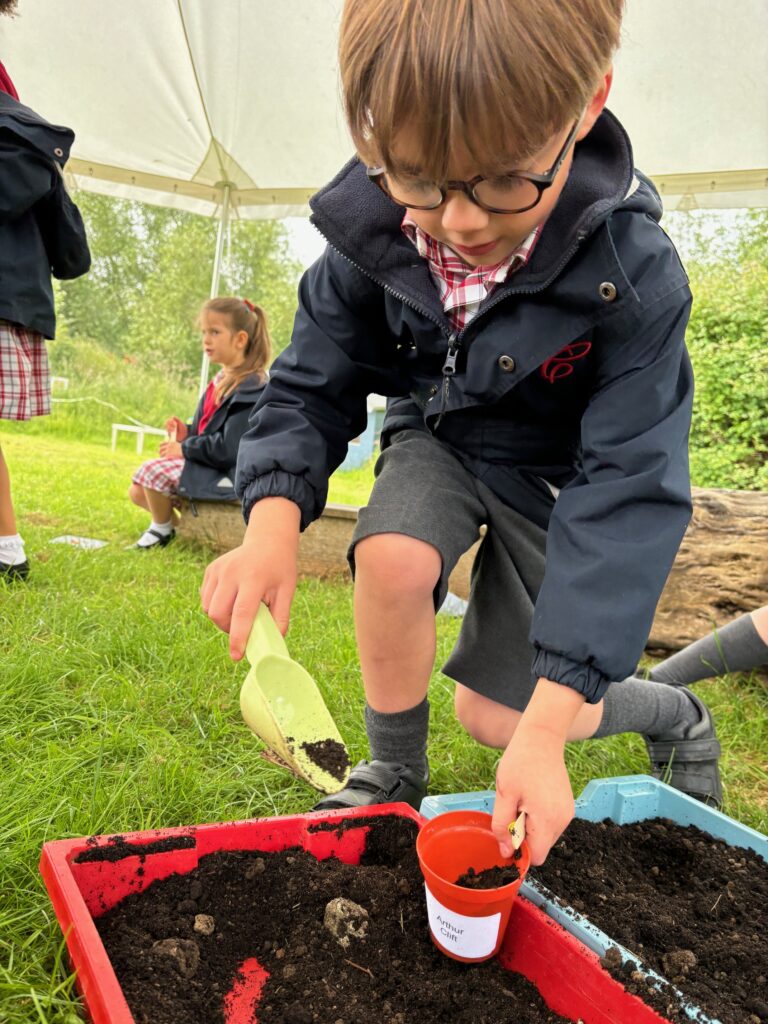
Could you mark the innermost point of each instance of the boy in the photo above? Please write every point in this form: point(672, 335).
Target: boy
point(41, 233)
point(496, 266)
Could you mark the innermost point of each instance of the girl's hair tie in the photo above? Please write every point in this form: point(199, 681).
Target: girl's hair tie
point(249, 305)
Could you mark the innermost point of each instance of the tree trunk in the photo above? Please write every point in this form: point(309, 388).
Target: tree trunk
point(721, 570)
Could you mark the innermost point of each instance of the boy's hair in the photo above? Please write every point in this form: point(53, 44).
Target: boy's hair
point(497, 77)
point(244, 316)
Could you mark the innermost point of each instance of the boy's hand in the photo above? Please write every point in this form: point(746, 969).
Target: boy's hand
point(531, 775)
point(170, 450)
point(263, 568)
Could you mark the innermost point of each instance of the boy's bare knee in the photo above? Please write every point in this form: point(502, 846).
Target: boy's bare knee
point(136, 494)
point(486, 721)
point(397, 564)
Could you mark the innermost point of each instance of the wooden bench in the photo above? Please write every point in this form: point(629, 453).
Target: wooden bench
point(721, 569)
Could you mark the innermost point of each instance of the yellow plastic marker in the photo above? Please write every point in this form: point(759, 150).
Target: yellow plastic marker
point(281, 703)
point(516, 830)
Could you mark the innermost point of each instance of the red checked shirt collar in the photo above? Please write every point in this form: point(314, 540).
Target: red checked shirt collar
point(463, 288)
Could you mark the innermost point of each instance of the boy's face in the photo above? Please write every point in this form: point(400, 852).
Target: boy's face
point(482, 238)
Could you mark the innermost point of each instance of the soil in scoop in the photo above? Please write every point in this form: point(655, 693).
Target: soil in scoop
point(329, 755)
point(272, 906)
point(491, 878)
point(690, 906)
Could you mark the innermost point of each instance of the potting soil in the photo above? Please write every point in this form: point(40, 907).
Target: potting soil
point(692, 908)
point(491, 878)
point(329, 755)
point(177, 947)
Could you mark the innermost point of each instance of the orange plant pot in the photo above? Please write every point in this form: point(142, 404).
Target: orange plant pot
point(466, 924)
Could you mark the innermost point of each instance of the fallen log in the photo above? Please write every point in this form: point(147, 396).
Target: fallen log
point(720, 572)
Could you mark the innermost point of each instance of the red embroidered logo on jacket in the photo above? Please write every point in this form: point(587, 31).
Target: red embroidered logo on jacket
point(561, 364)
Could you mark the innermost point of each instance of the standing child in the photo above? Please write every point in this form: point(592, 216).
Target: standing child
point(41, 234)
point(199, 460)
point(496, 261)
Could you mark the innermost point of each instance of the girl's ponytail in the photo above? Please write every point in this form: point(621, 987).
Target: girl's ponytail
point(245, 316)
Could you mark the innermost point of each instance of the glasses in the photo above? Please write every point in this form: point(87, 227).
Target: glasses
point(515, 192)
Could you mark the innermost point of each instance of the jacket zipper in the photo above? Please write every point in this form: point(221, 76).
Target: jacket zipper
point(455, 339)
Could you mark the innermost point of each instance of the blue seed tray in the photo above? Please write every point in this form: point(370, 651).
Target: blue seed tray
point(624, 799)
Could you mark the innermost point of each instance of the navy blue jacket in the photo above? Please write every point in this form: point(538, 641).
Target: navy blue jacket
point(41, 230)
point(210, 457)
point(574, 371)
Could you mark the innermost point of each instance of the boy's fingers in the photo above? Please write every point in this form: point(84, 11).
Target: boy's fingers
point(281, 609)
point(505, 811)
point(244, 611)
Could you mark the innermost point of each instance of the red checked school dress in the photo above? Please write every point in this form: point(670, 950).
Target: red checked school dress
point(163, 475)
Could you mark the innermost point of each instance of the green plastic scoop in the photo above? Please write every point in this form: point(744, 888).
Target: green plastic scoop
point(281, 703)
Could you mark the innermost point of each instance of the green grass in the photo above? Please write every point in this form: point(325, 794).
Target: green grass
point(119, 704)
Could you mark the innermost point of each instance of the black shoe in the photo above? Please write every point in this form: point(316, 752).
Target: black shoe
point(162, 540)
point(690, 764)
point(14, 572)
point(378, 782)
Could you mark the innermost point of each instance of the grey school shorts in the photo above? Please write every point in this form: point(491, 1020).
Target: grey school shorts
point(423, 491)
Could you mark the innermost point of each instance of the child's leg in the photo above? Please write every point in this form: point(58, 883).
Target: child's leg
point(13, 559)
point(493, 724)
point(7, 517)
point(423, 514)
point(153, 487)
point(739, 646)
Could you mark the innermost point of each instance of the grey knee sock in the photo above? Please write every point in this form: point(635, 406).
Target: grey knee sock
point(737, 647)
point(400, 736)
point(653, 709)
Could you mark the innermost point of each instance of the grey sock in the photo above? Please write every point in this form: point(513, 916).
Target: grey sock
point(737, 647)
point(652, 709)
point(400, 736)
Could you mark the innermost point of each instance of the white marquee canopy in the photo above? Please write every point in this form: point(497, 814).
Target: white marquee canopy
point(191, 102)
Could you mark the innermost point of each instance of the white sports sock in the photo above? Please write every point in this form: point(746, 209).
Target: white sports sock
point(12, 550)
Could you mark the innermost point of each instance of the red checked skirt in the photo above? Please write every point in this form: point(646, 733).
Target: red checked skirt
point(161, 475)
point(25, 382)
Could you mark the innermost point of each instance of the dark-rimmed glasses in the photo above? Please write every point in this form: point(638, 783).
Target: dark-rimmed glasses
point(515, 192)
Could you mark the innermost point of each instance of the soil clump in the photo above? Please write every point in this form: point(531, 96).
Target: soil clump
point(689, 906)
point(330, 755)
point(272, 906)
point(491, 878)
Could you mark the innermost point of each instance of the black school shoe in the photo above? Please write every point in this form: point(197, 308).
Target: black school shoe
point(690, 764)
point(162, 540)
point(13, 573)
point(378, 782)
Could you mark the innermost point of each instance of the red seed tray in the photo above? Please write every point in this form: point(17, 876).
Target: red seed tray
point(567, 974)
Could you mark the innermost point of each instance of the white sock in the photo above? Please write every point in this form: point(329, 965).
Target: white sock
point(12, 550)
point(150, 537)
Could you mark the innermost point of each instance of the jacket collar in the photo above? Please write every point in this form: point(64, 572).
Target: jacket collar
point(54, 141)
point(364, 225)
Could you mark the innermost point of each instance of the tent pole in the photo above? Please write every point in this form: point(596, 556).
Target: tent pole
point(221, 235)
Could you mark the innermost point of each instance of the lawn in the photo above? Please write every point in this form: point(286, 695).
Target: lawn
point(119, 705)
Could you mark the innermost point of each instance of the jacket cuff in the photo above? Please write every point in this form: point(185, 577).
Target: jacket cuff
point(279, 484)
point(577, 675)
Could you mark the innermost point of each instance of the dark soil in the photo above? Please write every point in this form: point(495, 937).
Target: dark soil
point(330, 755)
point(178, 946)
point(689, 906)
point(118, 847)
point(491, 878)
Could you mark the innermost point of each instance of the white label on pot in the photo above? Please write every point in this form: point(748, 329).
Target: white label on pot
point(466, 936)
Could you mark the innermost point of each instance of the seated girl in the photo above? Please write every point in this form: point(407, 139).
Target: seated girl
point(198, 461)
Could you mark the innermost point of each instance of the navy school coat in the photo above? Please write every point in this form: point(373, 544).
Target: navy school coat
point(574, 371)
point(210, 457)
point(41, 230)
